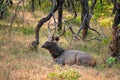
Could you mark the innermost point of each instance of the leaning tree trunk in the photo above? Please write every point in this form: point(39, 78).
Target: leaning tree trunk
point(116, 33)
point(43, 20)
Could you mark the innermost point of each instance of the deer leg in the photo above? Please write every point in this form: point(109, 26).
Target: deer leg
point(59, 61)
point(82, 61)
point(78, 62)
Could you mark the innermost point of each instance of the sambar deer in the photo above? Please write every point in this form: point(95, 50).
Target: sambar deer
point(64, 56)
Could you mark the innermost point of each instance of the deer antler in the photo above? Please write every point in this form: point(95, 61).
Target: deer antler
point(49, 29)
point(50, 38)
point(57, 37)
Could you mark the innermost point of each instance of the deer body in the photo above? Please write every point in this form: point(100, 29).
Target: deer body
point(70, 57)
point(75, 57)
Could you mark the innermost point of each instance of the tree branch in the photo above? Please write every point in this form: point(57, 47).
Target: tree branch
point(43, 20)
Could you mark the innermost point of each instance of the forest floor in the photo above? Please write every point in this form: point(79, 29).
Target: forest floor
point(18, 61)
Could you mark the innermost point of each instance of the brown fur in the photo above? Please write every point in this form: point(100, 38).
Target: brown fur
point(70, 57)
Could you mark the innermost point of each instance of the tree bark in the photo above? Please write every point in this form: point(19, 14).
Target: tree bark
point(101, 1)
point(116, 32)
point(60, 11)
point(32, 5)
point(85, 17)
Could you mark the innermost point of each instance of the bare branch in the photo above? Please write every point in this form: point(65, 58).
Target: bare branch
point(13, 18)
point(94, 31)
point(72, 31)
point(94, 39)
point(49, 30)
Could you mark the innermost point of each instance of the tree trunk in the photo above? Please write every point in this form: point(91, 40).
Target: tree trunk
point(85, 17)
point(116, 34)
point(101, 1)
point(60, 9)
point(32, 5)
point(39, 3)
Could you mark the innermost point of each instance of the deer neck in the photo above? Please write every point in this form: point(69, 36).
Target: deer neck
point(56, 51)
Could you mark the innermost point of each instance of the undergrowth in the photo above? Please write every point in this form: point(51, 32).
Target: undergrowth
point(68, 75)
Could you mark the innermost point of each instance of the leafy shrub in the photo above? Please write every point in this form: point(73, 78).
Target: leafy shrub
point(105, 41)
point(111, 60)
point(102, 66)
point(68, 75)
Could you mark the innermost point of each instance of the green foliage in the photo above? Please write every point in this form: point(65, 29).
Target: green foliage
point(111, 60)
point(2, 6)
point(89, 33)
point(68, 33)
point(119, 25)
point(105, 41)
point(68, 75)
point(45, 7)
point(109, 63)
point(27, 31)
point(76, 21)
point(103, 11)
point(101, 66)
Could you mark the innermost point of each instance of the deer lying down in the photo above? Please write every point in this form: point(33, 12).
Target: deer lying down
point(70, 57)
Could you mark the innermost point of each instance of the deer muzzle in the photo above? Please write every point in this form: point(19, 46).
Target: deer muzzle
point(42, 46)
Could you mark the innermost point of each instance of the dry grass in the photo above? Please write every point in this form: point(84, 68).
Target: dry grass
point(19, 62)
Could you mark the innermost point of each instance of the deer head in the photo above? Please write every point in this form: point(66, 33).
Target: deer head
point(50, 42)
point(52, 47)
